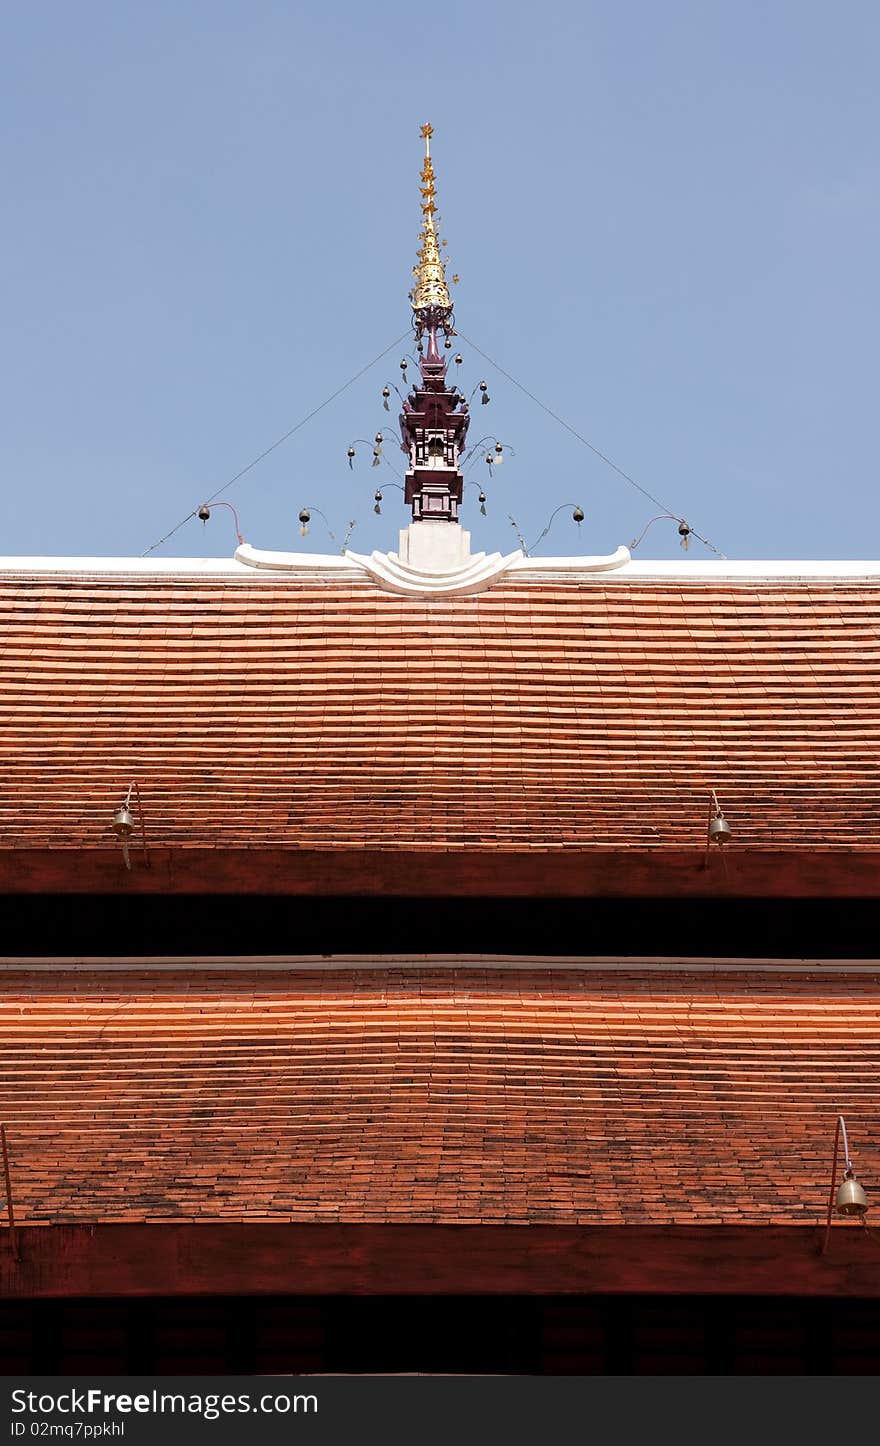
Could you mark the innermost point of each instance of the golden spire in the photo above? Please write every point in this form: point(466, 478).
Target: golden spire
point(430, 290)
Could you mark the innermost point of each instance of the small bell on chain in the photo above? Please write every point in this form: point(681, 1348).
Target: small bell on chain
point(684, 533)
point(483, 503)
point(577, 515)
point(350, 455)
point(484, 388)
point(305, 518)
point(386, 393)
point(378, 502)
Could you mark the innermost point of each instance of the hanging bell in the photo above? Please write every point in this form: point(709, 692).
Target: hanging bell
point(378, 502)
point(719, 830)
point(204, 512)
point(484, 388)
point(499, 448)
point(377, 457)
point(305, 518)
point(350, 455)
point(458, 358)
point(483, 503)
point(378, 439)
point(684, 533)
point(851, 1198)
point(386, 393)
point(577, 515)
point(123, 822)
point(404, 364)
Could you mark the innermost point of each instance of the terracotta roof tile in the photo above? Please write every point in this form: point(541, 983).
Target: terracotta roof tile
point(559, 1096)
point(540, 713)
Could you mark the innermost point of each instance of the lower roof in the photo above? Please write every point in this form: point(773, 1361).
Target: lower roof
point(618, 1094)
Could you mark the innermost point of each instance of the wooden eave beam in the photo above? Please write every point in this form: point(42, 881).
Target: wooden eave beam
point(478, 872)
point(177, 1258)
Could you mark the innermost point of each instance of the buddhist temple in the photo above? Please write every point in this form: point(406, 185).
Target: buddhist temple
point(439, 961)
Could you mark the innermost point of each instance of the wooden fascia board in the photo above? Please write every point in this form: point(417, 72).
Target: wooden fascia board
point(563, 873)
point(178, 1258)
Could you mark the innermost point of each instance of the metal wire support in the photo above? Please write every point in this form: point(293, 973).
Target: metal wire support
point(10, 1209)
point(577, 515)
point(133, 788)
point(848, 1173)
point(208, 507)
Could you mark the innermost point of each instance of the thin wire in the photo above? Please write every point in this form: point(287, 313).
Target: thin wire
point(583, 440)
point(238, 476)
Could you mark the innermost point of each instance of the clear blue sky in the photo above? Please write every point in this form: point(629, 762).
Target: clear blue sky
point(666, 218)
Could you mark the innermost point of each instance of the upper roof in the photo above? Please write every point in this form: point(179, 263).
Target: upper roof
point(559, 708)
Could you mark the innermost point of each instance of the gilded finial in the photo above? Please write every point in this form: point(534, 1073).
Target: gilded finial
point(431, 291)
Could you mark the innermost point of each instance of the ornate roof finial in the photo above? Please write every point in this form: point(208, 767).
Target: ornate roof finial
point(435, 416)
point(431, 302)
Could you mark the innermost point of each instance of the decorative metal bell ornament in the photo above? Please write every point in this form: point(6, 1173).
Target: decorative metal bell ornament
point(719, 830)
point(123, 822)
point(851, 1198)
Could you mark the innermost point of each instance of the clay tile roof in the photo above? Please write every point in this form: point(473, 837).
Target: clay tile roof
point(562, 1096)
point(321, 712)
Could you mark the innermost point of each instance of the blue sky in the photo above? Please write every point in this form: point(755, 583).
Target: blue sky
point(666, 218)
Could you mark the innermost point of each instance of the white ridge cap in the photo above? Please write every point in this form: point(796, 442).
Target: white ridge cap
point(617, 567)
point(758, 568)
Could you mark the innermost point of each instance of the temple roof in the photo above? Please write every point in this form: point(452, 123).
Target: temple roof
point(610, 1094)
point(559, 708)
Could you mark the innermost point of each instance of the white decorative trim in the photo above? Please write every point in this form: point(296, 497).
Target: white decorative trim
point(292, 561)
point(609, 563)
point(477, 573)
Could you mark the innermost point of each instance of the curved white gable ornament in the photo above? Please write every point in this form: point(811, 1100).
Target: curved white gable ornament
point(395, 575)
point(473, 574)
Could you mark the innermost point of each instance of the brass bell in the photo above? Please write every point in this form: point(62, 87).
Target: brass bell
point(851, 1198)
point(578, 515)
point(719, 830)
point(204, 512)
point(123, 822)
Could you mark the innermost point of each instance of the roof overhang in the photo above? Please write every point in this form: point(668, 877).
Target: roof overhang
point(449, 873)
point(292, 1259)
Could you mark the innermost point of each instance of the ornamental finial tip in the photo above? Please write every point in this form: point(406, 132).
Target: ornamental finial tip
point(431, 292)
